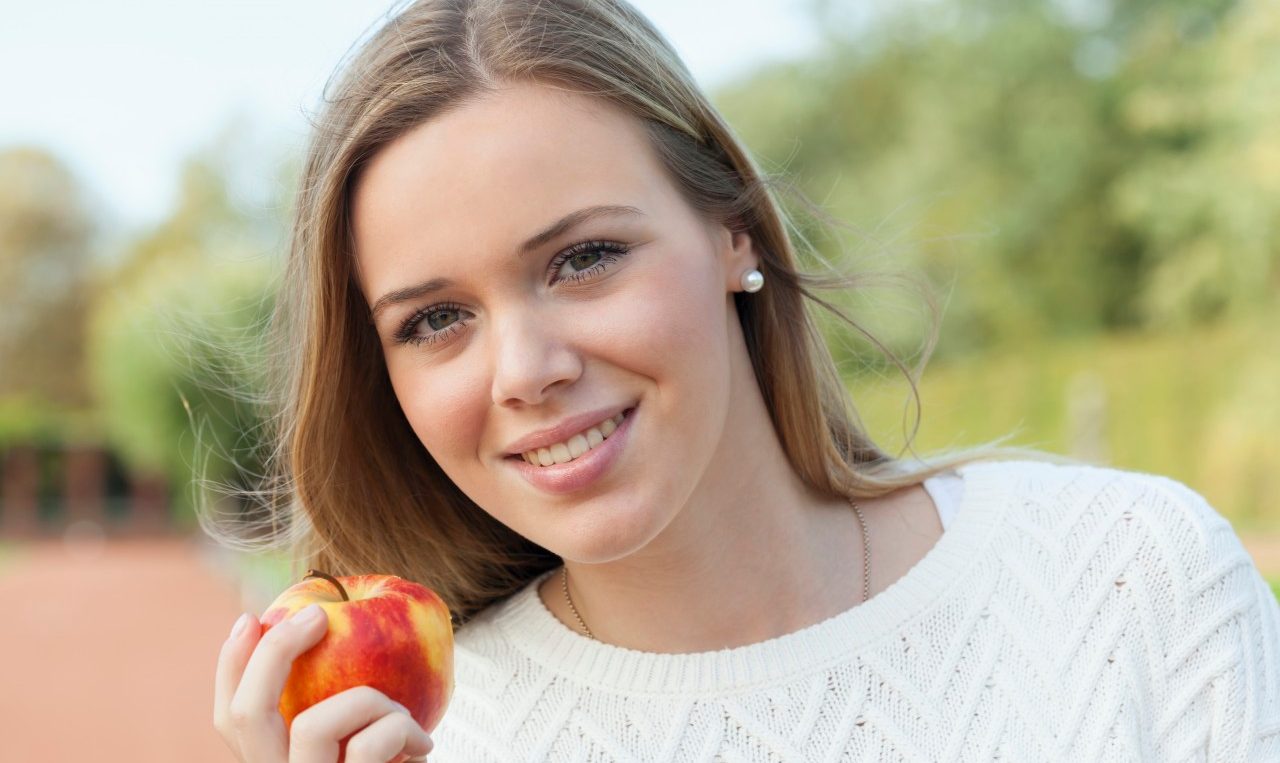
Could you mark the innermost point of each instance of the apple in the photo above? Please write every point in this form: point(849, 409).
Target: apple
point(384, 631)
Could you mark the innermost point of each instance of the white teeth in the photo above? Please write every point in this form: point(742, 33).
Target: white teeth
point(564, 452)
point(560, 452)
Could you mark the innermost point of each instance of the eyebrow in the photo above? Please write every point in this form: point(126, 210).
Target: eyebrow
point(537, 241)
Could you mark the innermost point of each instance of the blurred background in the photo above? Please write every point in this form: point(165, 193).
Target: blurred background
point(1090, 188)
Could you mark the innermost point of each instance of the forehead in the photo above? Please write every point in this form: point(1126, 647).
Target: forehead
point(485, 176)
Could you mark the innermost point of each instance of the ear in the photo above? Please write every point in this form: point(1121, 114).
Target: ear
point(737, 255)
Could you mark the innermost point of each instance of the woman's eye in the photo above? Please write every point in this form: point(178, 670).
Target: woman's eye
point(436, 323)
point(585, 259)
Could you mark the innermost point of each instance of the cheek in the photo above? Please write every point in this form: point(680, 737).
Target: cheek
point(667, 332)
point(442, 407)
point(680, 316)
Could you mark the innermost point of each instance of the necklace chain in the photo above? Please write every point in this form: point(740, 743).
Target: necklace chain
point(866, 572)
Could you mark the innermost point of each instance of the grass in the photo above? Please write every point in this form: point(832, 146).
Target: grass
point(9, 552)
point(1198, 406)
point(267, 573)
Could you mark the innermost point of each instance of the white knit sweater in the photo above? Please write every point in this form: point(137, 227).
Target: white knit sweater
point(1067, 613)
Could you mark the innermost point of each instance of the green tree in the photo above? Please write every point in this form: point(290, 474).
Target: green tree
point(46, 257)
point(1063, 167)
point(1202, 188)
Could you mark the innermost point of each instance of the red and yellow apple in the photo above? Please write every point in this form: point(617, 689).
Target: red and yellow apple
point(384, 631)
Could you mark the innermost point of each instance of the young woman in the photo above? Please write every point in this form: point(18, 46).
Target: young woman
point(553, 358)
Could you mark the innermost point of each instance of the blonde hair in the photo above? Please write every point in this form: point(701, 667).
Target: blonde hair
point(355, 490)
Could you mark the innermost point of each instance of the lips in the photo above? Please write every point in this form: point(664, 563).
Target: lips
point(576, 446)
point(561, 432)
point(579, 473)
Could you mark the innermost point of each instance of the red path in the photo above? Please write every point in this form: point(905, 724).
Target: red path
point(107, 652)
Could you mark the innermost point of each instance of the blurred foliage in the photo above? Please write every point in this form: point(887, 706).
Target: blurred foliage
point(46, 237)
point(1066, 167)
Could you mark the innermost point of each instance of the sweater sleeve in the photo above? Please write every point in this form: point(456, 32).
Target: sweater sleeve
point(1222, 655)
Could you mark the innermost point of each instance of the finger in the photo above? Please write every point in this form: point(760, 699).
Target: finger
point(254, 708)
point(387, 738)
point(317, 730)
point(231, 661)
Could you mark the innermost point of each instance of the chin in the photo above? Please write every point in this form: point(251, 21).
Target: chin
point(594, 538)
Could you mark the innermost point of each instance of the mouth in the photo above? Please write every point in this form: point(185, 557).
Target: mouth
point(576, 446)
point(583, 472)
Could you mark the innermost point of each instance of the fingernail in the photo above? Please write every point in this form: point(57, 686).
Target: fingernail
point(308, 615)
point(240, 625)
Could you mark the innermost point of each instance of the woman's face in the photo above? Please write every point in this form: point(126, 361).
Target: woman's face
point(499, 321)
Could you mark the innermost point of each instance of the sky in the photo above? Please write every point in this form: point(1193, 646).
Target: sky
point(123, 91)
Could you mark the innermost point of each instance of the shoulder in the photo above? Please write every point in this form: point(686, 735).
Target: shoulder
point(1056, 492)
point(1076, 523)
point(1171, 554)
point(1143, 570)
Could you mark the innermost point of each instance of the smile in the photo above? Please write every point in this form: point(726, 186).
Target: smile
point(575, 446)
point(588, 456)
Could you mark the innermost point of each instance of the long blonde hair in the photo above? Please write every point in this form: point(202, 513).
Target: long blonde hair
point(355, 490)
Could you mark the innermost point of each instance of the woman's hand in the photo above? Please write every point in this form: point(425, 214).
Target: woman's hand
point(251, 674)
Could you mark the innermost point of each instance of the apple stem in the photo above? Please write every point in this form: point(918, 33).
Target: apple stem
point(331, 579)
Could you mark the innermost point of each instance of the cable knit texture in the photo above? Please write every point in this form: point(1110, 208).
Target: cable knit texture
point(1067, 613)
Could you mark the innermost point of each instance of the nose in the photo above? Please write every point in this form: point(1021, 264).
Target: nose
point(531, 357)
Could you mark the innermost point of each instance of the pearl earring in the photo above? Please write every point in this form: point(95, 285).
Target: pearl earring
point(752, 280)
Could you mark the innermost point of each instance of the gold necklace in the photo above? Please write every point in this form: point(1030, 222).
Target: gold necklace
point(866, 572)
